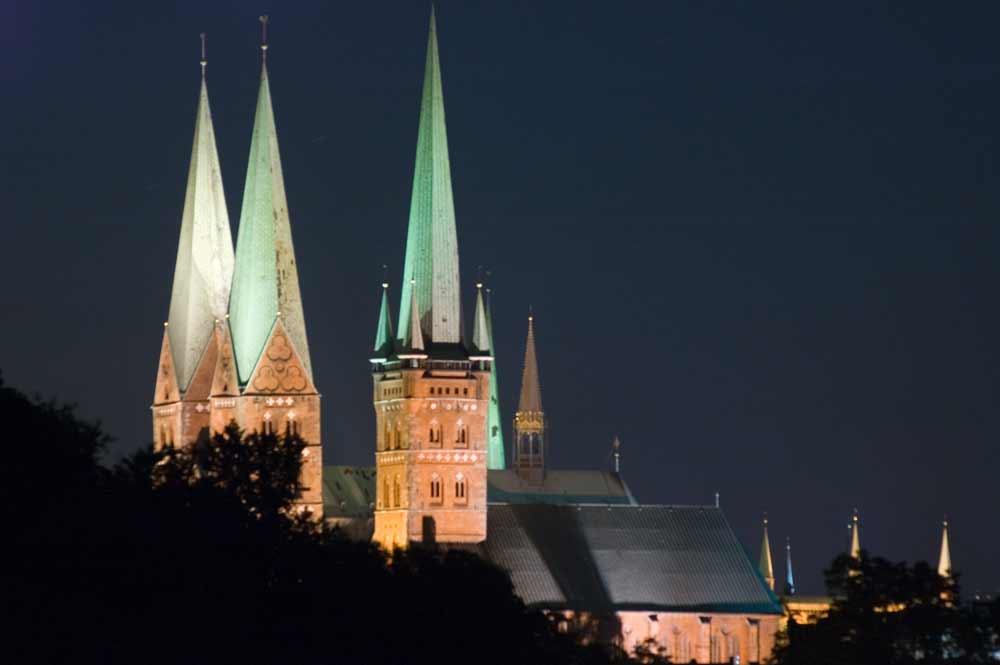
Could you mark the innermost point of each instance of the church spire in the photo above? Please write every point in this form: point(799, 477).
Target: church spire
point(766, 565)
point(481, 342)
point(431, 241)
point(789, 578)
point(529, 421)
point(531, 389)
point(496, 457)
point(383, 335)
point(414, 340)
point(265, 281)
point(855, 537)
point(944, 559)
point(204, 267)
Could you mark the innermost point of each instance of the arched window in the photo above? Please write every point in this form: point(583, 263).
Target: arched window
point(434, 436)
point(385, 493)
point(536, 445)
point(461, 493)
point(386, 437)
point(435, 488)
point(395, 492)
point(461, 435)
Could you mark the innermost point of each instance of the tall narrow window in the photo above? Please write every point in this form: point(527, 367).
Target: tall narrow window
point(434, 436)
point(461, 435)
point(395, 492)
point(385, 493)
point(461, 490)
point(435, 488)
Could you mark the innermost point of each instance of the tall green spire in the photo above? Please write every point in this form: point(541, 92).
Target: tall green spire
point(383, 335)
point(204, 268)
point(431, 240)
point(496, 458)
point(266, 280)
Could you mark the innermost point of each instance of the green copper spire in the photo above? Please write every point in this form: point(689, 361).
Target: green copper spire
point(480, 329)
point(383, 336)
point(414, 340)
point(495, 455)
point(266, 281)
point(431, 240)
point(204, 268)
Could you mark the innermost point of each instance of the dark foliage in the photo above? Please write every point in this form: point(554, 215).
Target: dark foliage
point(193, 555)
point(887, 613)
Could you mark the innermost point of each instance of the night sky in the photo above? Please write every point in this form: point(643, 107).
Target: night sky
point(760, 239)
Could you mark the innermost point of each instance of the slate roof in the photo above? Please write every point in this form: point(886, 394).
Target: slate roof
point(559, 487)
point(615, 558)
point(348, 491)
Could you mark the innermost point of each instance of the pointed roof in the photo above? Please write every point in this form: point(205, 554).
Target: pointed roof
point(944, 559)
point(383, 334)
point(414, 340)
point(531, 389)
point(431, 239)
point(855, 537)
point(496, 457)
point(204, 268)
point(789, 578)
point(481, 342)
point(265, 281)
point(766, 565)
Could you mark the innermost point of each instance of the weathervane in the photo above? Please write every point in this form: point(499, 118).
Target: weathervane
point(204, 59)
point(263, 36)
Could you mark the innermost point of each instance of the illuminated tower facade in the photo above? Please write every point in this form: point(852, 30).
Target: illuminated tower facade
point(203, 273)
point(529, 421)
point(250, 366)
point(431, 389)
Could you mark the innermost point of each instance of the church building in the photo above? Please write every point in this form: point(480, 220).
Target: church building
point(577, 543)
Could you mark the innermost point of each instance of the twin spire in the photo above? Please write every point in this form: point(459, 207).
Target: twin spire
point(259, 282)
point(204, 269)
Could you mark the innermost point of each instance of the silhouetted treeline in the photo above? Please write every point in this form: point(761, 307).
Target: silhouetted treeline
point(887, 613)
point(189, 556)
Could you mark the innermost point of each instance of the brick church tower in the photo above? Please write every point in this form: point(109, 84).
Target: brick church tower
point(431, 388)
point(253, 363)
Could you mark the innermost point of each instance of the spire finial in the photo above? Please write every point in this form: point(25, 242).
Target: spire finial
point(616, 447)
point(765, 519)
point(204, 59)
point(385, 276)
point(263, 36)
point(717, 500)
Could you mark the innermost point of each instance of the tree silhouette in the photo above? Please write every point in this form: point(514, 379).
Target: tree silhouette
point(195, 554)
point(888, 613)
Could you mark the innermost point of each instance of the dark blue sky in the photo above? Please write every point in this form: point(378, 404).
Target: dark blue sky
point(760, 239)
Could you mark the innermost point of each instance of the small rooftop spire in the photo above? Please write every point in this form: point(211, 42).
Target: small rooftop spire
point(383, 334)
point(496, 458)
point(789, 579)
point(204, 59)
point(531, 389)
point(855, 536)
point(415, 336)
point(263, 37)
point(944, 559)
point(766, 564)
point(480, 328)
point(616, 451)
